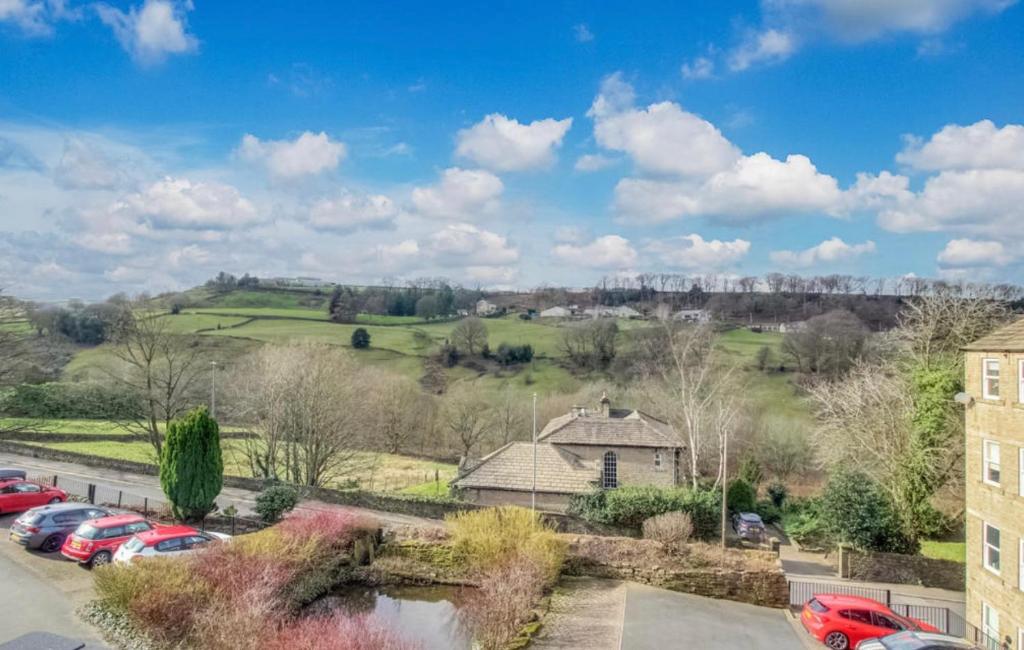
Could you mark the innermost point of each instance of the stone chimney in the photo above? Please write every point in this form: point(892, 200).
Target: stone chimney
point(606, 405)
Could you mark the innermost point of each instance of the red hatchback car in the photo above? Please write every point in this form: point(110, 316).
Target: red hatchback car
point(841, 622)
point(19, 495)
point(95, 541)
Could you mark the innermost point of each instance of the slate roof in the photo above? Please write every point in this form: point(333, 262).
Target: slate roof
point(1004, 339)
point(511, 468)
point(621, 428)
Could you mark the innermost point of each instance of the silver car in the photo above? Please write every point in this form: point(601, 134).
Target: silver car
point(45, 527)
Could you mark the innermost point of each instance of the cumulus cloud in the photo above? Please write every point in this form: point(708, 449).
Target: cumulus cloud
point(764, 47)
point(307, 155)
point(973, 253)
point(753, 187)
point(701, 67)
point(182, 203)
point(83, 166)
point(352, 211)
point(694, 252)
point(503, 144)
point(36, 17)
point(570, 234)
point(151, 32)
point(828, 251)
point(463, 244)
point(593, 162)
point(981, 145)
point(397, 256)
point(461, 195)
point(607, 252)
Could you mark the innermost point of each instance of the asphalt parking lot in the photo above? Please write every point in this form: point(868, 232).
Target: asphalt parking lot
point(39, 592)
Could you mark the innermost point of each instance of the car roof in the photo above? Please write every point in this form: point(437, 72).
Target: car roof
point(927, 638)
point(750, 516)
point(840, 600)
point(161, 533)
point(64, 506)
point(115, 520)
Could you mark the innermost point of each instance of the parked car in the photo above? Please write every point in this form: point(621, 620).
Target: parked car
point(916, 641)
point(17, 495)
point(46, 527)
point(841, 622)
point(8, 473)
point(95, 541)
point(166, 541)
point(748, 525)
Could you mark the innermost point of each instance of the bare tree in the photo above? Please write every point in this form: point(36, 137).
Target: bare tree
point(591, 345)
point(13, 348)
point(937, 326)
point(396, 410)
point(158, 366)
point(306, 404)
point(470, 335)
point(468, 417)
point(689, 383)
point(511, 416)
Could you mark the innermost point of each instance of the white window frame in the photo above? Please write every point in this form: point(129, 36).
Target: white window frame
point(985, 546)
point(985, 628)
point(1020, 381)
point(1020, 567)
point(1020, 468)
point(987, 461)
point(985, 393)
point(658, 462)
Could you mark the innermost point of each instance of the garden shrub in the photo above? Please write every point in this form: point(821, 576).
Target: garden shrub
point(631, 506)
point(86, 400)
point(336, 632)
point(742, 497)
point(768, 511)
point(855, 511)
point(777, 492)
point(504, 602)
point(488, 538)
point(671, 529)
point(274, 501)
point(191, 466)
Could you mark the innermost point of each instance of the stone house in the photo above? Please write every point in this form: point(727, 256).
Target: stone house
point(556, 312)
point(577, 453)
point(485, 308)
point(994, 477)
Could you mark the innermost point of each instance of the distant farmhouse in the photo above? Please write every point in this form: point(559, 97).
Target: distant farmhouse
point(577, 453)
point(622, 311)
point(485, 308)
point(692, 316)
point(556, 312)
point(301, 281)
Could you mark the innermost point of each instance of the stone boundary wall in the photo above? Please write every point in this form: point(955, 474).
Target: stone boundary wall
point(901, 569)
point(51, 436)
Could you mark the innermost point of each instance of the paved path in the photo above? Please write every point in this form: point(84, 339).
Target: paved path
point(143, 485)
point(39, 593)
point(613, 615)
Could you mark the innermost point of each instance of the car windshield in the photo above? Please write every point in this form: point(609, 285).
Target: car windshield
point(816, 605)
point(88, 531)
point(903, 641)
point(906, 623)
point(134, 545)
point(32, 518)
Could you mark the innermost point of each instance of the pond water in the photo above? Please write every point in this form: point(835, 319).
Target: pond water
point(424, 615)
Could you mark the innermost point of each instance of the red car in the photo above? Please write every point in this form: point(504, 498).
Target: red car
point(19, 495)
point(841, 622)
point(95, 541)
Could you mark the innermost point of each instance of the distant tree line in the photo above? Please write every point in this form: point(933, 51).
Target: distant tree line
point(228, 282)
point(427, 299)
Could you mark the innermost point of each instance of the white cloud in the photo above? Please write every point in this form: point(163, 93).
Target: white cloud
point(830, 250)
point(83, 166)
point(754, 187)
point(152, 32)
point(351, 211)
point(493, 275)
point(396, 257)
point(607, 252)
point(570, 234)
point(701, 67)
point(462, 195)
point(111, 243)
point(309, 154)
point(694, 252)
point(583, 33)
point(977, 146)
point(661, 139)
point(503, 144)
point(181, 203)
point(986, 201)
point(463, 244)
point(188, 256)
point(36, 17)
point(593, 162)
point(764, 47)
point(972, 253)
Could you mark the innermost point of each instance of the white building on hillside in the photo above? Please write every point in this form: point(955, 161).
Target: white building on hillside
point(692, 315)
point(485, 308)
point(556, 312)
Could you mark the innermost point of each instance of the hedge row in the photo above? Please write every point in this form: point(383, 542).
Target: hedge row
point(84, 400)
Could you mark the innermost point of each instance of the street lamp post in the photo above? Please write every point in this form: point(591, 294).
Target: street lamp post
point(725, 484)
point(533, 495)
point(213, 389)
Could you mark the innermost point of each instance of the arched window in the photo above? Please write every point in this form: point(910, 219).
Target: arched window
point(611, 470)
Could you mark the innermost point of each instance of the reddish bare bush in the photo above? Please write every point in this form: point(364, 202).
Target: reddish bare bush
point(335, 632)
point(673, 529)
point(504, 602)
point(335, 527)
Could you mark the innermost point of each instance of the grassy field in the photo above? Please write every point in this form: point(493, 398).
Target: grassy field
point(98, 427)
point(373, 471)
point(191, 323)
point(955, 551)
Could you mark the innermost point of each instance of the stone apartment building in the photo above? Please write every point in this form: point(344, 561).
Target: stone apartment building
point(577, 453)
point(995, 485)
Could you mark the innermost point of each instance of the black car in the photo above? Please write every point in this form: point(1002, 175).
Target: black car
point(7, 473)
point(45, 527)
point(916, 641)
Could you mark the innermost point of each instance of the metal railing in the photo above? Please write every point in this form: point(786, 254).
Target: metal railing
point(943, 618)
point(801, 591)
point(984, 641)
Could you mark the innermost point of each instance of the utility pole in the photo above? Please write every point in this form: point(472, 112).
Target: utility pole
point(213, 389)
point(725, 485)
point(533, 495)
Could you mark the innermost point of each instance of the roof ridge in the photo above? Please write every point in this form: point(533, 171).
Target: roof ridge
point(486, 458)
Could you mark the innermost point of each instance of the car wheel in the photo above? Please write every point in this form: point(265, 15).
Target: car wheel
point(55, 500)
point(51, 544)
point(103, 557)
point(837, 641)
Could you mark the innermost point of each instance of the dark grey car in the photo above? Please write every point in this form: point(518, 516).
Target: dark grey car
point(46, 527)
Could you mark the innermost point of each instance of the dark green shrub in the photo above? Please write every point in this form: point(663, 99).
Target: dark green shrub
point(274, 501)
point(751, 472)
point(741, 496)
point(770, 513)
point(191, 467)
point(855, 511)
point(777, 492)
point(804, 525)
point(360, 338)
point(630, 506)
point(87, 400)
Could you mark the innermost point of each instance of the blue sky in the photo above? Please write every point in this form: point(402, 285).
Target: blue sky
point(147, 145)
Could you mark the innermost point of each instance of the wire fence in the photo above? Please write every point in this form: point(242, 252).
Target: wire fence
point(154, 509)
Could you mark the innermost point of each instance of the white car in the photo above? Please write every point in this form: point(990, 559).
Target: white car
point(166, 541)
